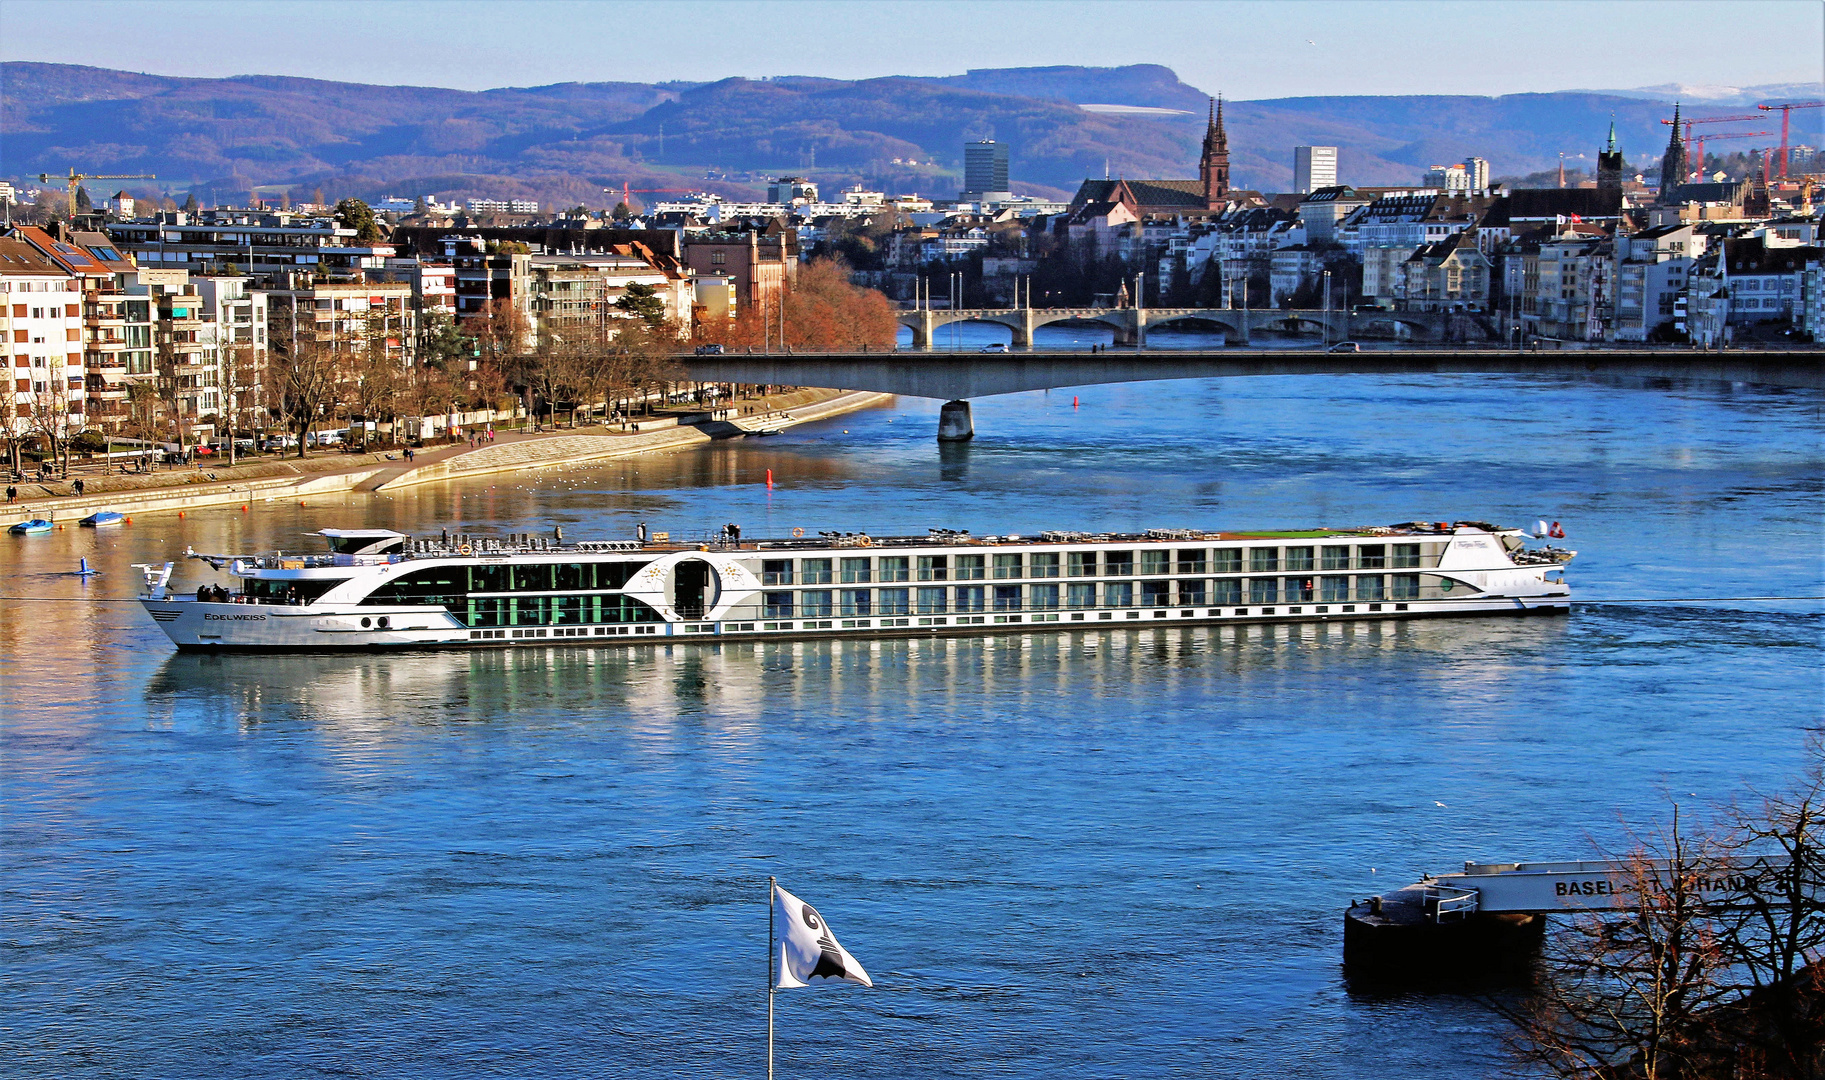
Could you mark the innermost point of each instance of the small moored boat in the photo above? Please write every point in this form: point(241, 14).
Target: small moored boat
point(29, 528)
point(102, 517)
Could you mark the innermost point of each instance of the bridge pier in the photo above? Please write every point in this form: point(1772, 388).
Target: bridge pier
point(955, 423)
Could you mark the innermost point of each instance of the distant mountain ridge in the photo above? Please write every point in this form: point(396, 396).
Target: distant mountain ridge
point(565, 143)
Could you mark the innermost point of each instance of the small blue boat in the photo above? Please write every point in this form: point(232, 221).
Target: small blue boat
point(27, 528)
point(102, 517)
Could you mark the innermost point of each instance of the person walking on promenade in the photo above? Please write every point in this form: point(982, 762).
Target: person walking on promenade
point(12, 494)
point(78, 485)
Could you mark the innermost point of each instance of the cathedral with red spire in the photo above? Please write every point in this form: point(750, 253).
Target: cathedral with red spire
point(1210, 193)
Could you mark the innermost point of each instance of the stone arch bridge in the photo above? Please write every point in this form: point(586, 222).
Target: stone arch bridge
point(1238, 325)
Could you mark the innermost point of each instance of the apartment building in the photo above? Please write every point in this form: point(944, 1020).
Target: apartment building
point(116, 317)
point(42, 322)
point(281, 248)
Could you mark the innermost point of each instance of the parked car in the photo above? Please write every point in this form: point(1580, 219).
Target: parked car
point(281, 442)
point(244, 446)
point(709, 350)
point(995, 346)
point(1345, 346)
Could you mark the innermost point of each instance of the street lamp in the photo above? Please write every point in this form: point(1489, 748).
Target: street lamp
point(1327, 310)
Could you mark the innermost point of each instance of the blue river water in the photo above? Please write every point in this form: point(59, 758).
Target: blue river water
point(1090, 854)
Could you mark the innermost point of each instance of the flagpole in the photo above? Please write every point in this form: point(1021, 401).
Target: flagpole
point(770, 886)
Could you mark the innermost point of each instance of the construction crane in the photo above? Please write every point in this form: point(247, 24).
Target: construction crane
point(1699, 172)
point(1786, 110)
point(1686, 140)
point(628, 191)
point(75, 180)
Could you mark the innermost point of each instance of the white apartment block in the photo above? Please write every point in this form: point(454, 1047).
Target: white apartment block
point(42, 322)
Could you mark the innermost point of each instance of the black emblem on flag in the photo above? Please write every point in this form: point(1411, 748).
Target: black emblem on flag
point(829, 960)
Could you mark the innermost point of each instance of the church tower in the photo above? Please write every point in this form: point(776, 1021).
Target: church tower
point(1609, 166)
point(1673, 162)
point(1213, 168)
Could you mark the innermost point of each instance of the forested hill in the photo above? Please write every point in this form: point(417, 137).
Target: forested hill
point(565, 143)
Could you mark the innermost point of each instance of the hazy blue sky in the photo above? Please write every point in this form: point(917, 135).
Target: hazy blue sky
point(1244, 49)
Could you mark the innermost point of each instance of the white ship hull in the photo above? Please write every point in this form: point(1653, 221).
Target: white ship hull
point(214, 627)
point(380, 590)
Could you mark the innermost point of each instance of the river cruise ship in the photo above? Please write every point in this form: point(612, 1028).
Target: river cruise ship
point(376, 589)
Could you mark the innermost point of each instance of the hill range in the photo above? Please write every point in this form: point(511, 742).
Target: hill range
point(566, 143)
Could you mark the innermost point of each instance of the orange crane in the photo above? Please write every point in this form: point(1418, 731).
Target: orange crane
point(1700, 173)
point(627, 191)
point(75, 180)
point(1786, 110)
point(1686, 139)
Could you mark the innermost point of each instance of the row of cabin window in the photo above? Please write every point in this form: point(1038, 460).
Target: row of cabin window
point(939, 599)
point(550, 610)
point(419, 586)
point(888, 568)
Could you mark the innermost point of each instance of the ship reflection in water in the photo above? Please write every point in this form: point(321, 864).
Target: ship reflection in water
point(646, 690)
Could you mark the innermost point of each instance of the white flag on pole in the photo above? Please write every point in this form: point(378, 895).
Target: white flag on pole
point(808, 951)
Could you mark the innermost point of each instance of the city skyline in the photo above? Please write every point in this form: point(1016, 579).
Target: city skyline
point(1245, 49)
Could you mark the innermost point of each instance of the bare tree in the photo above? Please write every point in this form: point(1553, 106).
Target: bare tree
point(1710, 968)
point(305, 376)
point(1774, 932)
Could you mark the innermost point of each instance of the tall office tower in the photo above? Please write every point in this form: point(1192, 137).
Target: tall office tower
point(1314, 167)
point(985, 170)
point(1476, 173)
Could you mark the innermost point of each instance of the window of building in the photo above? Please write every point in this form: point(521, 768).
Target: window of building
point(855, 602)
point(1263, 560)
point(1334, 589)
point(1006, 567)
point(1406, 586)
point(1191, 562)
point(1299, 559)
point(1156, 593)
point(1043, 597)
point(776, 572)
point(1043, 565)
point(719, 258)
point(894, 568)
point(1080, 564)
point(1334, 557)
point(1406, 555)
point(934, 568)
point(1080, 596)
point(815, 604)
point(1369, 587)
point(1263, 590)
point(777, 605)
point(894, 602)
point(1156, 562)
point(814, 571)
point(1227, 561)
point(1372, 556)
point(1118, 594)
point(931, 600)
point(1118, 564)
point(854, 571)
point(969, 598)
point(969, 568)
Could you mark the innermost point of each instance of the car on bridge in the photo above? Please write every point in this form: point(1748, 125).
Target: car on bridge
point(709, 350)
point(1345, 346)
point(995, 346)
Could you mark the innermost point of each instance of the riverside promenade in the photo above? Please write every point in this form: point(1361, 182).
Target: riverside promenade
point(269, 479)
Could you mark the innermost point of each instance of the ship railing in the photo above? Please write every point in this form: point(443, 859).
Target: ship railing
point(1449, 903)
